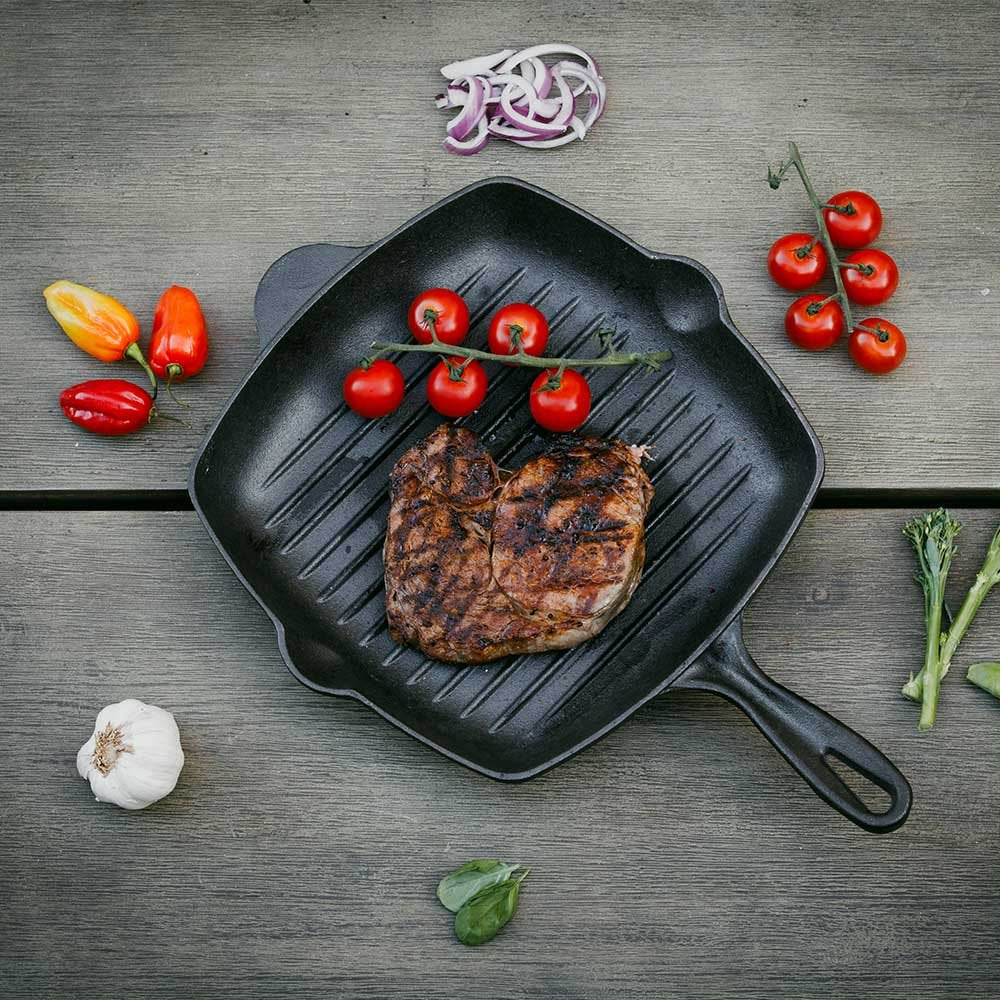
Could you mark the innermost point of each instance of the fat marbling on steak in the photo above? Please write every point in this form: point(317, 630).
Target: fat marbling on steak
point(480, 565)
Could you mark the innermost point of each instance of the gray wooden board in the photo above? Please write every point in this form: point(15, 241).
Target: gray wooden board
point(151, 143)
point(299, 853)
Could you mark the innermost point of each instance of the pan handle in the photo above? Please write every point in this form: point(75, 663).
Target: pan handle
point(291, 281)
point(803, 733)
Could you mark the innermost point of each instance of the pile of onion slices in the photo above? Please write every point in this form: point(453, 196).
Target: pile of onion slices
point(516, 95)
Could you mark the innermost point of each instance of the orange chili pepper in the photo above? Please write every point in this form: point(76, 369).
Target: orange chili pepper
point(96, 323)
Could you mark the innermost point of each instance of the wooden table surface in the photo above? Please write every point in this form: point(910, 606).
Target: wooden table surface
point(151, 143)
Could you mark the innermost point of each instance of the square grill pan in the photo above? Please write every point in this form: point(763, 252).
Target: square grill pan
point(293, 487)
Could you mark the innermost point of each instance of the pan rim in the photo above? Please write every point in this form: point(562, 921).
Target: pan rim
point(671, 679)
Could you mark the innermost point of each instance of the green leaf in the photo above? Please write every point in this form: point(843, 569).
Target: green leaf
point(986, 676)
point(483, 916)
point(456, 889)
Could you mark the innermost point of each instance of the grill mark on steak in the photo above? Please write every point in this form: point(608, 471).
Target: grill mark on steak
point(481, 564)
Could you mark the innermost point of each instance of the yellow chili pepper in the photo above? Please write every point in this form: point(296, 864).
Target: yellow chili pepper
point(96, 323)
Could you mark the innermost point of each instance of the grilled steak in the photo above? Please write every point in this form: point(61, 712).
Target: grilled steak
point(479, 565)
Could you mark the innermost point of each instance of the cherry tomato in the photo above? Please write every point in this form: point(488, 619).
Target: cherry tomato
point(811, 326)
point(563, 408)
point(374, 391)
point(519, 324)
point(456, 387)
point(870, 289)
point(858, 226)
point(448, 311)
point(792, 265)
point(880, 352)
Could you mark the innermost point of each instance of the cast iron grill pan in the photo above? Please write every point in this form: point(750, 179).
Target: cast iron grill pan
point(293, 487)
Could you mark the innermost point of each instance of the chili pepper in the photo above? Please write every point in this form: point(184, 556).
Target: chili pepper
point(107, 406)
point(96, 323)
point(179, 344)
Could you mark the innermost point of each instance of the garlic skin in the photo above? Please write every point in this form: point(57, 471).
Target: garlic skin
point(134, 757)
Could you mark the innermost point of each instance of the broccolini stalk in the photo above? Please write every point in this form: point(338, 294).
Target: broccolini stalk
point(986, 579)
point(933, 537)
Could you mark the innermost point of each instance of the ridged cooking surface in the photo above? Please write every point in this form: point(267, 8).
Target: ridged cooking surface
point(327, 501)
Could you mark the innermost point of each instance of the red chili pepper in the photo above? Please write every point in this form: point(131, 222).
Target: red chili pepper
point(179, 344)
point(107, 406)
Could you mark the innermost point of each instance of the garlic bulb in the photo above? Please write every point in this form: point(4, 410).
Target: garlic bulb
point(134, 757)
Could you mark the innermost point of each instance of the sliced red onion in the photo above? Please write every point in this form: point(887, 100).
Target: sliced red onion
point(589, 81)
point(542, 80)
point(466, 147)
point(540, 143)
point(528, 122)
point(518, 96)
point(476, 66)
point(546, 50)
point(473, 110)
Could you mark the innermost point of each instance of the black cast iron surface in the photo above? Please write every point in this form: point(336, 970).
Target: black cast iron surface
point(293, 486)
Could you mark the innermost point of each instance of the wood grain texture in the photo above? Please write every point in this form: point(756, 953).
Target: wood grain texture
point(298, 856)
point(196, 142)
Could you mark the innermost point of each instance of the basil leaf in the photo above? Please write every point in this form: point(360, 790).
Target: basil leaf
point(482, 917)
point(456, 889)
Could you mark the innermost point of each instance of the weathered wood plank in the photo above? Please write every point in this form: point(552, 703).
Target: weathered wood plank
point(192, 142)
point(299, 853)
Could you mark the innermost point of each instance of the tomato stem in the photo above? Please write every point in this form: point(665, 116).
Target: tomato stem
point(774, 179)
point(847, 209)
point(814, 307)
point(866, 269)
point(652, 360)
point(430, 318)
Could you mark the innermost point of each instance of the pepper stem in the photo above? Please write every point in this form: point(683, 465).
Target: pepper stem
point(134, 352)
point(174, 371)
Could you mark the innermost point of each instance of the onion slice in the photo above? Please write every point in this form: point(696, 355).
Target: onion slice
point(473, 110)
point(518, 96)
point(475, 66)
point(466, 147)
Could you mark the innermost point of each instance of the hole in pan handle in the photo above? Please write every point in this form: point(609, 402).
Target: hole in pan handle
point(804, 734)
point(292, 280)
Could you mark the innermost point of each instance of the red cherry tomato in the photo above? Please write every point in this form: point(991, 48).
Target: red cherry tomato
point(563, 408)
point(519, 324)
point(374, 391)
point(811, 326)
point(456, 387)
point(793, 265)
point(859, 225)
point(869, 289)
point(880, 352)
point(448, 311)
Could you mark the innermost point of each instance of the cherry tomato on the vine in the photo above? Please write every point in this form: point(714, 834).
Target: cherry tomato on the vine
point(812, 326)
point(456, 387)
point(564, 407)
point(519, 325)
point(876, 283)
point(796, 261)
point(879, 352)
point(447, 310)
point(374, 391)
point(856, 227)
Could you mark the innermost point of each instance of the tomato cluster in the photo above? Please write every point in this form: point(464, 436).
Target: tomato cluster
point(559, 399)
point(814, 322)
